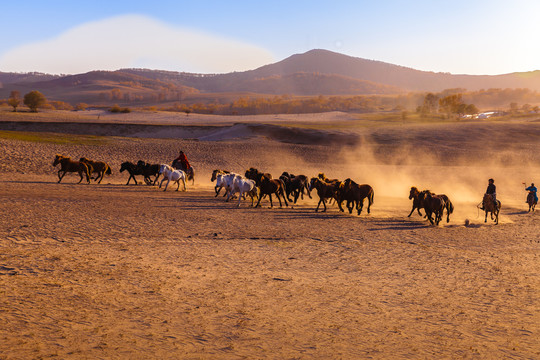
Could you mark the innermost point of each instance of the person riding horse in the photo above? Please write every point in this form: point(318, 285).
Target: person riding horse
point(491, 190)
point(532, 189)
point(182, 161)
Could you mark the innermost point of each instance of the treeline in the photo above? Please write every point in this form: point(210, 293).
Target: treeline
point(451, 101)
point(289, 105)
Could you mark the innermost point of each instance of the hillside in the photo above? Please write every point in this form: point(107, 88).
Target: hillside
point(316, 72)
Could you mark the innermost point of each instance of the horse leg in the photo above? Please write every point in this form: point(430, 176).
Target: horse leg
point(485, 219)
point(271, 204)
point(284, 200)
point(167, 184)
point(279, 199)
point(60, 177)
point(259, 201)
point(414, 207)
point(319, 204)
point(178, 184)
point(239, 198)
point(81, 175)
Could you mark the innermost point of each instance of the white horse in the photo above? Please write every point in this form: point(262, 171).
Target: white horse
point(226, 181)
point(171, 174)
point(244, 186)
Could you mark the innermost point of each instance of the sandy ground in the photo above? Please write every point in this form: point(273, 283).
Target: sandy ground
point(115, 271)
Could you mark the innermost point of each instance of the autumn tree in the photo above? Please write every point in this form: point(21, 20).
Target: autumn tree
point(14, 99)
point(450, 104)
point(431, 102)
point(34, 100)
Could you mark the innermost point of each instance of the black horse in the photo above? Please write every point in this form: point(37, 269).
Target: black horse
point(132, 169)
point(148, 170)
point(295, 185)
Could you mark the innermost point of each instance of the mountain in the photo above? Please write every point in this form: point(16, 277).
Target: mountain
point(316, 72)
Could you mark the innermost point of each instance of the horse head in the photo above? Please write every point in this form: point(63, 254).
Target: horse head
point(414, 192)
point(58, 159)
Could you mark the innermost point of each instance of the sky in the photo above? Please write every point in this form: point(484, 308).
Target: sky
point(203, 36)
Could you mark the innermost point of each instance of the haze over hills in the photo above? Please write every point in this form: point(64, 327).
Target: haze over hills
point(316, 72)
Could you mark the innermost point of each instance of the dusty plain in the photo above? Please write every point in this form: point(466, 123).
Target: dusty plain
point(105, 271)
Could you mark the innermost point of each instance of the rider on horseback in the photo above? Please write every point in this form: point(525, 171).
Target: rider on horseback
point(532, 189)
point(492, 190)
point(182, 159)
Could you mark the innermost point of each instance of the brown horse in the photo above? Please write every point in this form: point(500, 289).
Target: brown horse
point(531, 201)
point(414, 195)
point(295, 185)
point(489, 206)
point(269, 187)
point(324, 191)
point(99, 167)
point(256, 175)
point(434, 205)
point(355, 195)
point(418, 203)
point(68, 165)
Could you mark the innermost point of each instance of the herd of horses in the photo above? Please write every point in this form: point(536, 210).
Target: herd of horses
point(258, 185)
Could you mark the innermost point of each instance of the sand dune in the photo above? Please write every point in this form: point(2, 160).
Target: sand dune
point(116, 271)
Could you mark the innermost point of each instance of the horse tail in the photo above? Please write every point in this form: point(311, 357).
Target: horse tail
point(449, 207)
point(370, 196)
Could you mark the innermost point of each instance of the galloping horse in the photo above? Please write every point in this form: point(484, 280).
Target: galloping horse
point(531, 201)
point(355, 195)
point(417, 204)
point(169, 173)
point(148, 170)
point(489, 206)
point(271, 186)
point(68, 165)
point(219, 184)
point(132, 169)
point(324, 191)
point(433, 204)
point(99, 167)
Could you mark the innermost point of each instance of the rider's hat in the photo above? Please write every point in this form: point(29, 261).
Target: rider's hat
point(491, 180)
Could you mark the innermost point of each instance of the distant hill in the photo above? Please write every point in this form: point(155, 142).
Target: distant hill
point(316, 72)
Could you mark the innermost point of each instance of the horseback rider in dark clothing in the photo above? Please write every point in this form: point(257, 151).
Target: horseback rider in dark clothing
point(492, 190)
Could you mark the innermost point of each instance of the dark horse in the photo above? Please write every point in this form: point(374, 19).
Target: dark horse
point(132, 169)
point(269, 187)
point(434, 205)
point(68, 165)
point(489, 206)
point(256, 175)
point(148, 170)
point(418, 203)
point(190, 173)
point(99, 167)
point(324, 191)
point(355, 195)
point(531, 201)
point(295, 185)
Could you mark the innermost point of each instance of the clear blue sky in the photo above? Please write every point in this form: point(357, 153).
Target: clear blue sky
point(472, 37)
